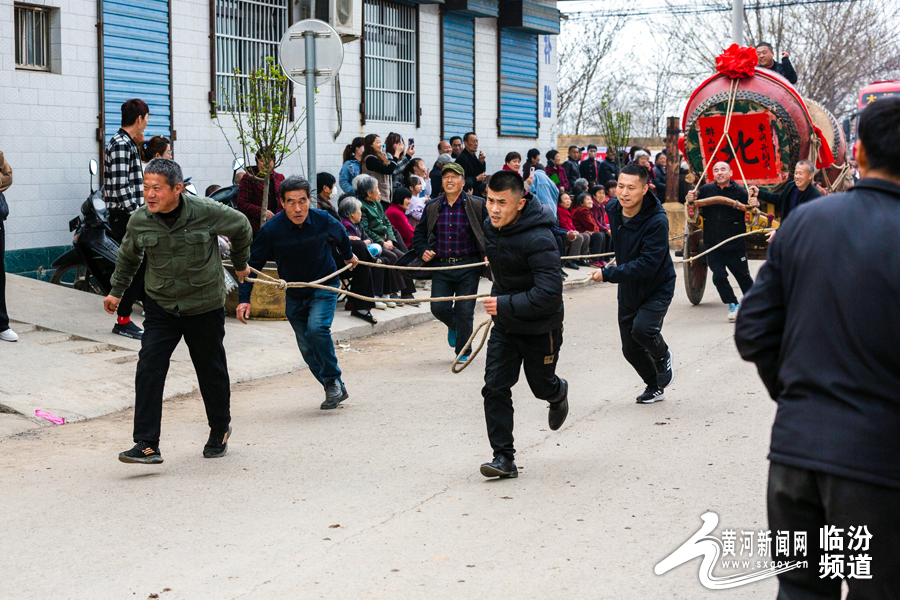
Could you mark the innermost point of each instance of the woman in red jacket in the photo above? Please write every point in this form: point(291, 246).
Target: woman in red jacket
point(583, 218)
point(396, 214)
point(581, 244)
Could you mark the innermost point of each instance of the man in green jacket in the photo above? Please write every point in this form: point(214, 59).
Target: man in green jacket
point(185, 298)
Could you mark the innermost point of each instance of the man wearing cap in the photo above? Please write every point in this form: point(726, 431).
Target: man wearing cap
point(590, 167)
point(450, 234)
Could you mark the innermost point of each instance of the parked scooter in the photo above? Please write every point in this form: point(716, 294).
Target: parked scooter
point(90, 263)
point(228, 195)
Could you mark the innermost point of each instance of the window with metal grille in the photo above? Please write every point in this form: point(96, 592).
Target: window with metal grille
point(246, 33)
point(390, 61)
point(32, 38)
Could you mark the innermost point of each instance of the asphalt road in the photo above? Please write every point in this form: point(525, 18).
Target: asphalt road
point(382, 498)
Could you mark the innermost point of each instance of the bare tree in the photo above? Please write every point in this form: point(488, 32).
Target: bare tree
point(836, 47)
point(585, 64)
point(614, 123)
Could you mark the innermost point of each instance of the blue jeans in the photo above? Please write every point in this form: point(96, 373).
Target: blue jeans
point(458, 315)
point(311, 319)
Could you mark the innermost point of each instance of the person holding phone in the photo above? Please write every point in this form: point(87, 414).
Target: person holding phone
point(472, 161)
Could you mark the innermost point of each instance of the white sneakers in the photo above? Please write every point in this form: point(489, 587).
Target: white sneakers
point(9, 336)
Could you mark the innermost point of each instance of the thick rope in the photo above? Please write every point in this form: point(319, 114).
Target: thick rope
point(722, 243)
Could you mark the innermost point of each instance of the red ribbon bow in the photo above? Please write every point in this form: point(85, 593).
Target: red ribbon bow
point(736, 62)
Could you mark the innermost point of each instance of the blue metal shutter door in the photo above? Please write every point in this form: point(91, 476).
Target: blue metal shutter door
point(136, 61)
point(459, 75)
point(518, 83)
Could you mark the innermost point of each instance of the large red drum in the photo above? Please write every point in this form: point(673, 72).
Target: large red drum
point(834, 177)
point(770, 128)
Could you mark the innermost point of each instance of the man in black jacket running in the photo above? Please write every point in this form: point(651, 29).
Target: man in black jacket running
point(526, 306)
point(646, 278)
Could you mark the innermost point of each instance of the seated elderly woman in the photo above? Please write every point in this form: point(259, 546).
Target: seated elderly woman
point(378, 228)
point(350, 211)
point(580, 242)
point(583, 218)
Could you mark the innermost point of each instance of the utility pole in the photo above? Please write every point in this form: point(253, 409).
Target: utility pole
point(737, 22)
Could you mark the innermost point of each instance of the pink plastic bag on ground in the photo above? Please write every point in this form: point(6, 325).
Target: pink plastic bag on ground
point(50, 417)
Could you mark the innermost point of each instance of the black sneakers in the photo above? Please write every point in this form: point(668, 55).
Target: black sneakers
point(665, 372)
point(559, 409)
point(142, 453)
point(129, 330)
point(502, 467)
point(651, 394)
point(335, 393)
point(217, 445)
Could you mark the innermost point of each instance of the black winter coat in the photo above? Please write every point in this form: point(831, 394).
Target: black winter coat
point(823, 334)
point(644, 267)
point(721, 222)
point(609, 171)
point(781, 200)
point(590, 170)
point(785, 69)
point(525, 267)
point(572, 173)
point(472, 166)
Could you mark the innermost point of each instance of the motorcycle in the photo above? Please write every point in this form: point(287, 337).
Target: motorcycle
point(228, 195)
point(90, 263)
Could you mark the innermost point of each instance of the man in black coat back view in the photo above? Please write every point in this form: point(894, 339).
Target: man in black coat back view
point(824, 334)
point(526, 306)
point(646, 277)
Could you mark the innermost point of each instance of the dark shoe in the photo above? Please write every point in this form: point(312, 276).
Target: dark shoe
point(563, 273)
point(665, 372)
point(502, 466)
point(451, 337)
point(142, 453)
point(129, 330)
point(583, 262)
point(365, 316)
point(559, 409)
point(410, 303)
point(335, 393)
point(679, 253)
point(651, 394)
point(217, 445)
point(570, 264)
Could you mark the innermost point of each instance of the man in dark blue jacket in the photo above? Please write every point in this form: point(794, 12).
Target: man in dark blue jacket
point(646, 277)
point(824, 336)
point(799, 191)
point(526, 306)
point(299, 240)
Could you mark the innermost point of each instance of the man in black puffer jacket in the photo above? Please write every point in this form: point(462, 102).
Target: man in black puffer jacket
point(646, 278)
point(527, 309)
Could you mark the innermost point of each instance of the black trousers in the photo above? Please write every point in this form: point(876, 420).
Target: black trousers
point(804, 500)
point(600, 243)
point(642, 341)
point(736, 262)
point(506, 353)
point(362, 278)
point(118, 222)
point(203, 335)
point(4, 316)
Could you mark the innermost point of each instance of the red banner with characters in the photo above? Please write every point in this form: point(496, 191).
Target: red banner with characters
point(755, 147)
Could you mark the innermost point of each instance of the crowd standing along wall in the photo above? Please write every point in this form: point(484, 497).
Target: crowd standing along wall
point(49, 120)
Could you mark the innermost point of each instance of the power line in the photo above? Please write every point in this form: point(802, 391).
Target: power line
point(688, 10)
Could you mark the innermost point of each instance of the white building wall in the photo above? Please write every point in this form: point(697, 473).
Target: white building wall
point(48, 120)
point(48, 125)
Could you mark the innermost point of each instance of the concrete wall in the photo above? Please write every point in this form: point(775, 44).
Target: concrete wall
point(48, 126)
point(48, 120)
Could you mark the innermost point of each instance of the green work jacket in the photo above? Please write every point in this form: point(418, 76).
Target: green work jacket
point(375, 222)
point(184, 264)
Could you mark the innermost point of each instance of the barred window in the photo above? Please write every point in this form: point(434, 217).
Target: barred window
point(32, 38)
point(390, 61)
point(247, 32)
